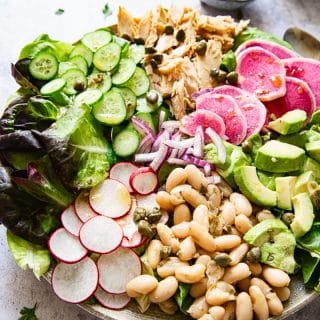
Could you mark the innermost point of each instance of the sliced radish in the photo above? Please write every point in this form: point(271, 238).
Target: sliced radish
point(122, 171)
point(66, 247)
point(82, 207)
point(135, 241)
point(144, 181)
point(116, 269)
point(70, 221)
point(148, 202)
point(76, 282)
point(101, 234)
point(112, 301)
point(110, 198)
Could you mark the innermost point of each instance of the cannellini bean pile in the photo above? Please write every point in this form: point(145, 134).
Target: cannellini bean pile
point(208, 252)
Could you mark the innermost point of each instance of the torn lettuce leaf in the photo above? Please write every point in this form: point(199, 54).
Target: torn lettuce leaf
point(182, 297)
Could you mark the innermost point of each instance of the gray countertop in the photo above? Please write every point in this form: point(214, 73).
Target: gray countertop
point(20, 22)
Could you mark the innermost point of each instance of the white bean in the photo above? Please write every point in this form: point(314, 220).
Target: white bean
point(264, 215)
point(206, 317)
point(167, 237)
point(165, 290)
point(198, 308)
point(264, 287)
point(169, 306)
point(283, 293)
point(141, 285)
point(204, 259)
point(168, 267)
point(244, 307)
point(181, 214)
point(196, 178)
point(202, 237)
point(176, 177)
point(163, 199)
point(241, 203)
point(228, 212)
point(199, 289)
point(276, 277)
point(255, 268)
point(176, 199)
point(225, 189)
point(153, 253)
point(238, 254)
point(201, 215)
point(217, 297)
point(236, 273)
point(187, 249)
point(274, 304)
point(193, 197)
point(227, 242)
point(214, 196)
point(259, 302)
point(243, 223)
point(181, 230)
point(217, 312)
point(190, 274)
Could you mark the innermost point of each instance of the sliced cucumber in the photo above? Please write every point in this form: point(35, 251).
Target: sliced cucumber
point(80, 62)
point(44, 66)
point(111, 110)
point(143, 105)
point(120, 41)
point(125, 71)
point(89, 97)
point(74, 77)
point(107, 57)
point(64, 66)
point(147, 118)
point(99, 80)
point(136, 52)
point(129, 99)
point(139, 83)
point(53, 87)
point(96, 39)
point(83, 51)
point(126, 142)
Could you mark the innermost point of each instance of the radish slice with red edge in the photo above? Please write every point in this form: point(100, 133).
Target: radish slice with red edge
point(148, 202)
point(70, 221)
point(76, 282)
point(122, 171)
point(112, 301)
point(66, 247)
point(116, 269)
point(110, 198)
point(144, 181)
point(135, 241)
point(82, 207)
point(101, 234)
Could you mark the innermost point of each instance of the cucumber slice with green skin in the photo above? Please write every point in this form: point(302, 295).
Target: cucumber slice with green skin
point(99, 80)
point(125, 71)
point(65, 66)
point(72, 77)
point(136, 52)
point(44, 66)
point(81, 63)
point(89, 97)
point(120, 41)
point(147, 118)
point(111, 110)
point(53, 87)
point(126, 142)
point(143, 105)
point(129, 99)
point(107, 57)
point(139, 83)
point(96, 39)
point(83, 51)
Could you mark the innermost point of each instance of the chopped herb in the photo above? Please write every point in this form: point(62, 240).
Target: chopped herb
point(106, 10)
point(28, 313)
point(59, 12)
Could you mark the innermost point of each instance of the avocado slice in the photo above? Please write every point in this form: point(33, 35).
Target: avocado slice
point(297, 139)
point(279, 157)
point(313, 150)
point(247, 180)
point(284, 190)
point(301, 184)
point(291, 122)
point(268, 179)
point(314, 166)
point(303, 214)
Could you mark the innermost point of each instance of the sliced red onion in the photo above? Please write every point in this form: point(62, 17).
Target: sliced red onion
point(182, 144)
point(163, 136)
point(197, 162)
point(177, 161)
point(141, 126)
point(145, 157)
point(207, 169)
point(189, 151)
point(160, 158)
point(146, 144)
point(215, 179)
point(162, 116)
point(181, 153)
point(216, 139)
point(198, 143)
point(170, 125)
point(174, 153)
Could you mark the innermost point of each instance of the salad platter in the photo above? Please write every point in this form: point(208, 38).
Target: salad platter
point(171, 159)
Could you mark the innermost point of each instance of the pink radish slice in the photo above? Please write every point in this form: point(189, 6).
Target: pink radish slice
point(82, 207)
point(298, 96)
point(144, 181)
point(147, 202)
point(307, 70)
point(205, 119)
point(110, 198)
point(135, 241)
point(70, 221)
point(112, 301)
point(66, 247)
point(227, 108)
point(252, 108)
point(116, 269)
point(278, 50)
point(101, 234)
point(122, 171)
point(261, 73)
point(76, 282)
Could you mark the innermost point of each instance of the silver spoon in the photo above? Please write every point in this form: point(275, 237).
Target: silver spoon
point(303, 42)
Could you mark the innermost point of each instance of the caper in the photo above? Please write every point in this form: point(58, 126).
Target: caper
point(287, 218)
point(139, 40)
point(201, 48)
point(222, 259)
point(79, 85)
point(126, 37)
point(253, 256)
point(154, 64)
point(158, 57)
point(315, 198)
point(168, 29)
point(154, 215)
point(214, 72)
point(139, 214)
point(150, 50)
point(247, 146)
point(199, 38)
point(145, 229)
point(221, 76)
point(232, 77)
point(181, 35)
point(165, 252)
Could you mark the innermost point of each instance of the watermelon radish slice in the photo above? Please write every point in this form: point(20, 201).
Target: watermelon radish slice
point(76, 282)
point(307, 70)
point(110, 198)
point(144, 181)
point(261, 73)
point(252, 108)
point(66, 247)
point(112, 301)
point(116, 269)
point(70, 221)
point(298, 96)
point(101, 234)
point(122, 171)
point(277, 49)
point(82, 207)
point(205, 119)
point(227, 108)
point(148, 202)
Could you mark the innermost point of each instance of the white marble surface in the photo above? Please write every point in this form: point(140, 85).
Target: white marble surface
point(23, 20)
